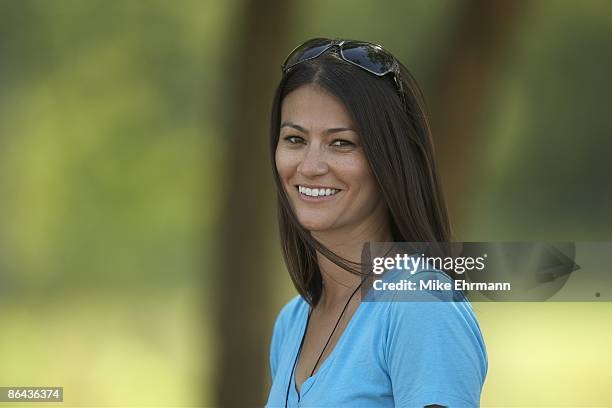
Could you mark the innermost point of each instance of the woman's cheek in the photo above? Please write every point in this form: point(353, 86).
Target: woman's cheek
point(292, 161)
point(355, 168)
point(282, 162)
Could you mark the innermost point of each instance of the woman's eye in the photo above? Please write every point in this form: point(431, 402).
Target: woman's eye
point(342, 143)
point(293, 139)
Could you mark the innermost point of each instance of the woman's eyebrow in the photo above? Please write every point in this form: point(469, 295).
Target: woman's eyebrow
point(327, 131)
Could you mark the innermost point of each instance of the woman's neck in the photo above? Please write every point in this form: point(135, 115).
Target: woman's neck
point(338, 283)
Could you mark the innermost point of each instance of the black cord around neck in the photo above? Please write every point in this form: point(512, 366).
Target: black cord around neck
point(324, 347)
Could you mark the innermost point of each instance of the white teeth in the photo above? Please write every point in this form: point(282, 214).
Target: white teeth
point(316, 192)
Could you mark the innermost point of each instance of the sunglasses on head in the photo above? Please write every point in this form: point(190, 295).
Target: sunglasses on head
point(369, 56)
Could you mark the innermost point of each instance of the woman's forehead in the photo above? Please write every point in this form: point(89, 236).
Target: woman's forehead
point(312, 107)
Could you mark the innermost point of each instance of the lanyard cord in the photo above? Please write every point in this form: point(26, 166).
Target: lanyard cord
point(324, 347)
point(296, 359)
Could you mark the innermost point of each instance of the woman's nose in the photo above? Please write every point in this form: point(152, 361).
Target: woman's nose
point(313, 163)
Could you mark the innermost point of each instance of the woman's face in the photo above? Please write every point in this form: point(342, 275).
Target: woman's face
point(322, 165)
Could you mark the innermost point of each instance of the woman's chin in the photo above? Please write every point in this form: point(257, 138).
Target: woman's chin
point(315, 225)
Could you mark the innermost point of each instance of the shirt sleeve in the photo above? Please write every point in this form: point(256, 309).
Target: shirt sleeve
point(435, 353)
point(274, 346)
point(286, 314)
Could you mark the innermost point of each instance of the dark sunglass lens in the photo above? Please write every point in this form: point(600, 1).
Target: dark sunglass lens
point(368, 56)
point(307, 51)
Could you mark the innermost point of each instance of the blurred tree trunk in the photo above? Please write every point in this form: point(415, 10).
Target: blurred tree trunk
point(477, 45)
point(249, 220)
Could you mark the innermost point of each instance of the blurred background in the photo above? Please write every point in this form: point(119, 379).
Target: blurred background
point(139, 257)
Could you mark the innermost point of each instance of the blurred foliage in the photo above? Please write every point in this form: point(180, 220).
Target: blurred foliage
point(546, 160)
point(111, 180)
point(109, 149)
point(108, 129)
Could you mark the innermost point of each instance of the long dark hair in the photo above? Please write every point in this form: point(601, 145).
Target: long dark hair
point(398, 146)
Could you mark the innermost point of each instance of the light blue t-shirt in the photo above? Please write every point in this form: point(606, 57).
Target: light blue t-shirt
point(392, 353)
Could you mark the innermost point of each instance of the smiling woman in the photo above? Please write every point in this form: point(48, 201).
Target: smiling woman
point(353, 163)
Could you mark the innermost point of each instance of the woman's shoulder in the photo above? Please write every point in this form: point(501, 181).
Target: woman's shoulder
point(290, 312)
point(439, 320)
point(432, 303)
